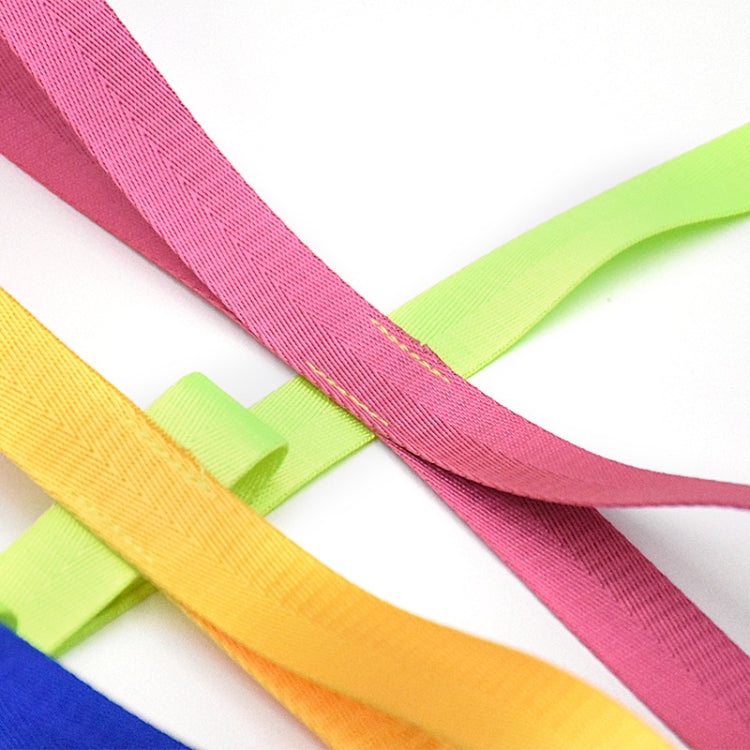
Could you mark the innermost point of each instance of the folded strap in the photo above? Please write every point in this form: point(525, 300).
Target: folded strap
point(108, 463)
point(125, 115)
point(43, 706)
point(61, 583)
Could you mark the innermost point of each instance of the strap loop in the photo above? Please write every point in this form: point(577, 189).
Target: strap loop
point(237, 447)
point(63, 583)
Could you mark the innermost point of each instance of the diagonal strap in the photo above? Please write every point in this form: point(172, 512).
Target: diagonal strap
point(125, 115)
point(42, 705)
point(104, 460)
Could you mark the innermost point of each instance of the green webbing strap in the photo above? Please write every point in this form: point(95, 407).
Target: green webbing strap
point(476, 314)
point(468, 319)
point(239, 449)
point(60, 583)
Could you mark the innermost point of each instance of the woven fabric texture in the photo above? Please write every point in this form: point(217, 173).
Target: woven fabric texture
point(284, 295)
point(326, 646)
point(43, 706)
point(385, 365)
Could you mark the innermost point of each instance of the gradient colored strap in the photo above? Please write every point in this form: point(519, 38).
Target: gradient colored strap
point(315, 636)
point(660, 626)
point(126, 116)
point(43, 706)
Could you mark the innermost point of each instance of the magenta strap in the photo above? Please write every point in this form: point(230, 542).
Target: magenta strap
point(628, 613)
point(84, 111)
point(127, 117)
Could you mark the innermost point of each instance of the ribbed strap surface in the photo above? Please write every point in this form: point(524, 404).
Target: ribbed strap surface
point(667, 632)
point(62, 583)
point(126, 116)
point(328, 645)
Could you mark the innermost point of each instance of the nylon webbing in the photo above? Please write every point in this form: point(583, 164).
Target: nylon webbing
point(325, 644)
point(61, 583)
point(656, 634)
point(127, 117)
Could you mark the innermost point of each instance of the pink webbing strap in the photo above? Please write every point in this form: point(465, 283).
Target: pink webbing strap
point(628, 613)
point(128, 118)
point(97, 124)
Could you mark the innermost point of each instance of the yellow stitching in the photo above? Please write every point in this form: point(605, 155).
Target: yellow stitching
point(345, 393)
point(410, 352)
point(195, 472)
point(76, 500)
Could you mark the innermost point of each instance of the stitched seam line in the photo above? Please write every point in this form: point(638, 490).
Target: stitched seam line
point(410, 352)
point(346, 393)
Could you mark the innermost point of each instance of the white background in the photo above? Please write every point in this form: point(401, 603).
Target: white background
point(401, 140)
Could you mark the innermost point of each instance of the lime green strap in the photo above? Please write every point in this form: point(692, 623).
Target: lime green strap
point(477, 313)
point(60, 583)
point(238, 448)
